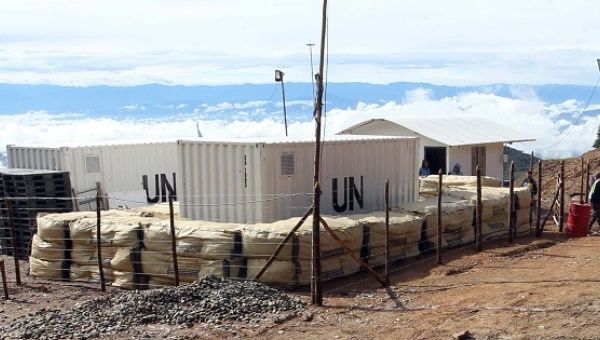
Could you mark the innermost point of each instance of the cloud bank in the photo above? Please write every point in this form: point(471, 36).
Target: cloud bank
point(558, 133)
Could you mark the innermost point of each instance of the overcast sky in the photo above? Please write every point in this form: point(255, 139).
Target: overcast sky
point(239, 41)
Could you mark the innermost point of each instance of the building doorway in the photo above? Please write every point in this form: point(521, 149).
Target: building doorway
point(437, 158)
point(478, 155)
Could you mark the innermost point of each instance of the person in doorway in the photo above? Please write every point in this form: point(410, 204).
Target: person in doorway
point(456, 170)
point(424, 170)
point(595, 201)
point(531, 185)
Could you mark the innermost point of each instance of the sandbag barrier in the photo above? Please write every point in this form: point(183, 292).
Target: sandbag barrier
point(136, 250)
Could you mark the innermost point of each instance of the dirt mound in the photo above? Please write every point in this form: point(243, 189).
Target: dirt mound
point(572, 174)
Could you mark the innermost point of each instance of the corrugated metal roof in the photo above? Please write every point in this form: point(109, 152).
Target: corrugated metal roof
point(293, 140)
point(451, 130)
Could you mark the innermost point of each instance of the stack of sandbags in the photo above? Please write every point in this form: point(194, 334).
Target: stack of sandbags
point(428, 186)
point(261, 240)
point(202, 248)
point(457, 221)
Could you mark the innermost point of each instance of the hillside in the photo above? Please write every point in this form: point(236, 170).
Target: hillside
point(572, 174)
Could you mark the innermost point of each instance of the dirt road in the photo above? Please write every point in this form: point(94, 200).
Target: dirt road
point(537, 288)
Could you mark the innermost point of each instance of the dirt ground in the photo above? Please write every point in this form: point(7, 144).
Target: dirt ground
point(546, 287)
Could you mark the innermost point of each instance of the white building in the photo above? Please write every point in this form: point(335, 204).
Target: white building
point(447, 140)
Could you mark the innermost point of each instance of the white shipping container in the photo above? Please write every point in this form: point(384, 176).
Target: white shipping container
point(131, 174)
point(264, 181)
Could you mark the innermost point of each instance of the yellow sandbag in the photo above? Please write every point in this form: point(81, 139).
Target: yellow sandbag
point(377, 255)
point(404, 228)
point(51, 227)
point(48, 269)
point(115, 231)
point(88, 255)
point(45, 250)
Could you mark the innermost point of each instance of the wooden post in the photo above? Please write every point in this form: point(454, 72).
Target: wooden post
point(511, 203)
point(561, 212)
point(74, 200)
point(173, 239)
point(99, 241)
point(282, 244)
point(316, 284)
point(4, 283)
point(438, 258)
point(478, 212)
point(581, 186)
point(531, 162)
point(538, 205)
point(587, 181)
point(387, 232)
point(13, 234)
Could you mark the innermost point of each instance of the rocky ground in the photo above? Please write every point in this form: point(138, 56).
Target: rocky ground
point(533, 289)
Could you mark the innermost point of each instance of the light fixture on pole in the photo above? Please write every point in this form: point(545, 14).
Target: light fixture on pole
point(312, 70)
point(279, 78)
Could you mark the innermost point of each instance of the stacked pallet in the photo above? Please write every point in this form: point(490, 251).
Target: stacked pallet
point(29, 192)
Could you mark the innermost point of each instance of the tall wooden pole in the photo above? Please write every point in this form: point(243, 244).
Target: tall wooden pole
point(531, 162)
point(538, 206)
point(511, 204)
point(478, 212)
point(316, 284)
point(561, 212)
point(387, 232)
point(4, 283)
point(438, 259)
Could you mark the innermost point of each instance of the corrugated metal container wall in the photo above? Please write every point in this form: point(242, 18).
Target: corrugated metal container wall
point(277, 178)
point(132, 174)
point(35, 158)
point(214, 177)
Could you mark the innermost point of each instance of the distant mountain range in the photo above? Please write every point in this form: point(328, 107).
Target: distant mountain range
point(152, 101)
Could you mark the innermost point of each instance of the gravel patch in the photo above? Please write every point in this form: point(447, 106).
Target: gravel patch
point(212, 301)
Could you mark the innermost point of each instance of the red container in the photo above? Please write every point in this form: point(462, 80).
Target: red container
point(578, 220)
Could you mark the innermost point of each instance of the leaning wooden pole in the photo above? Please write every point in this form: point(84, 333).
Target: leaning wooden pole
point(316, 284)
point(587, 181)
point(438, 258)
point(511, 204)
point(561, 211)
point(173, 239)
point(99, 241)
point(282, 244)
point(531, 162)
point(478, 212)
point(387, 233)
point(538, 205)
point(13, 235)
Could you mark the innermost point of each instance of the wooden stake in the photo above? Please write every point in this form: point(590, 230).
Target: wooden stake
point(587, 181)
point(511, 204)
point(13, 234)
point(438, 258)
point(173, 239)
point(539, 200)
point(282, 244)
point(478, 212)
point(4, 283)
point(99, 241)
point(550, 211)
point(387, 232)
point(561, 212)
point(581, 186)
point(531, 162)
point(316, 284)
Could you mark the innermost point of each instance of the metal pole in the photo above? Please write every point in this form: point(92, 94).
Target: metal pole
point(438, 259)
point(284, 109)
point(562, 197)
point(539, 200)
point(4, 283)
point(581, 186)
point(316, 284)
point(99, 241)
point(511, 204)
point(173, 239)
point(387, 232)
point(13, 234)
point(478, 212)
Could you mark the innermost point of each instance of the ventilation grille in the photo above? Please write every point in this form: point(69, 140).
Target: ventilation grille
point(287, 164)
point(92, 164)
